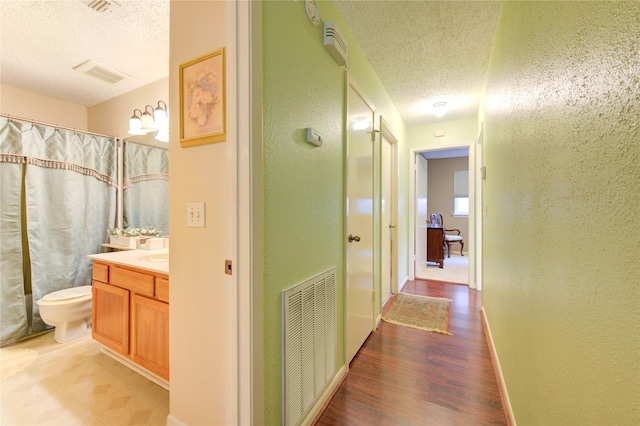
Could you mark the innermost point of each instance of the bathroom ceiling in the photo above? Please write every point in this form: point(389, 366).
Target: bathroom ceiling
point(43, 40)
point(422, 51)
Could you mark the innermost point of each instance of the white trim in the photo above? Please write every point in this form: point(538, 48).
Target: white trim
point(403, 283)
point(506, 402)
point(173, 421)
point(318, 406)
point(243, 266)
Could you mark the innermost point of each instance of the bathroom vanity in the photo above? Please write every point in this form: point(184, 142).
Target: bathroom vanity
point(130, 309)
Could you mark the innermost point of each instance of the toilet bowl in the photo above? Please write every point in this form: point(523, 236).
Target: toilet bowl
point(69, 311)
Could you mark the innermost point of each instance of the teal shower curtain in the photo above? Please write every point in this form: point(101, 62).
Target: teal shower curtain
point(58, 197)
point(145, 187)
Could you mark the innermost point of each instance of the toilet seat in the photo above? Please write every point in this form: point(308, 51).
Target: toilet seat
point(68, 293)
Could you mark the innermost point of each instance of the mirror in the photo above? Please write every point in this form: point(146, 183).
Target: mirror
point(145, 186)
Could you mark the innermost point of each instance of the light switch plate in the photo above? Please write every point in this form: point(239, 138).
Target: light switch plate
point(195, 214)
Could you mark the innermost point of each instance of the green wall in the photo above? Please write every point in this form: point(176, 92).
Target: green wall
point(303, 189)
point(561, 235)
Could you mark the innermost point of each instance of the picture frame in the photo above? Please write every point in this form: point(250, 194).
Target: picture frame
point(203, 103)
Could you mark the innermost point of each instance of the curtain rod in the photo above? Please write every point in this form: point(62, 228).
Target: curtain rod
point(13, 117)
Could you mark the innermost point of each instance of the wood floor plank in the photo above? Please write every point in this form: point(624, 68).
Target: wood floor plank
point(405, 376)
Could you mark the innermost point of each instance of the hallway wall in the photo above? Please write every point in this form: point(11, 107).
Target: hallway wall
point(303, 185)
point(562, 154)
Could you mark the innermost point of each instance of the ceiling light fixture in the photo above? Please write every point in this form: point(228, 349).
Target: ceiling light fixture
point(440, 109)
point(151, 120)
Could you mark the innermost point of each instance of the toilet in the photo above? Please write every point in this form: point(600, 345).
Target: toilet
point(69, 311)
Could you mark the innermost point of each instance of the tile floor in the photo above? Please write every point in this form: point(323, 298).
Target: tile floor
point(76, 384)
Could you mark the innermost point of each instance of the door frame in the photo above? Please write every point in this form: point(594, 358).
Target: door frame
point(475, 243)
point(386, 132)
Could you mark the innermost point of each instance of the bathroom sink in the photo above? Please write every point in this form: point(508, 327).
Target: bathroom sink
point(163, 257)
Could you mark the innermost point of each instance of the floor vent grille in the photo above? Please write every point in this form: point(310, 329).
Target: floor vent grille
point(309, 353)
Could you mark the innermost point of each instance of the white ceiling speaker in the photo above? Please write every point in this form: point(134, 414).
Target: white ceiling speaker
point(335, 43)
point(101, 5)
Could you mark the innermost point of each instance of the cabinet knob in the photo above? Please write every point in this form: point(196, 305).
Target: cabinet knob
point(353, 238)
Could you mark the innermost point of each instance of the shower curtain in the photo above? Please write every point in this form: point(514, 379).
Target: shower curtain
point(58, 197)
point(145, 187)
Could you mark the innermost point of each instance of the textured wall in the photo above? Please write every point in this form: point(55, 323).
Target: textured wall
point(561, 236)
point(303, 191)
point(303, 184)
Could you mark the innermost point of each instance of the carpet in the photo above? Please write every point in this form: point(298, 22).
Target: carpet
point(421, 312)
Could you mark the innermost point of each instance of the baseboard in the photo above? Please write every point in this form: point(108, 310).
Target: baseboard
point(325, 397)
point(402, 284)
point(172, 421)
point(506, 402)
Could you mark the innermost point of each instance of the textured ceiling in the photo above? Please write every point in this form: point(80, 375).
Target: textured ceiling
point(41, 41)
point(422, 51)
point(426, 51)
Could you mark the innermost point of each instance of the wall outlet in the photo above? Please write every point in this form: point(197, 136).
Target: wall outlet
point(195, 214)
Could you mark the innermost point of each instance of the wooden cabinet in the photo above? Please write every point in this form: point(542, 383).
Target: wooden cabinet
point(150, 334)
point(130, 314)
point(110, 316)
point(435, 245)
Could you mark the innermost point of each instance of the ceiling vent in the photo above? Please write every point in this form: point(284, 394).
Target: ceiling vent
point(335, 43)
point(94, 69)
point(101, 5)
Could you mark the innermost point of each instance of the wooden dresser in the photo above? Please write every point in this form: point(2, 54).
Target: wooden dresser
point(435, 245)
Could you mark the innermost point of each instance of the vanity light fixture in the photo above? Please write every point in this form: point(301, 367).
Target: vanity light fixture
point(151, 120)
point(135, 123)
point(440, 109)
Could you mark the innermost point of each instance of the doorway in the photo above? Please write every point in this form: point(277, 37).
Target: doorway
point(417, 199)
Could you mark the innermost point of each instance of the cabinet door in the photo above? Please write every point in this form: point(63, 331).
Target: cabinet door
point(110, 316)
point(150, 334)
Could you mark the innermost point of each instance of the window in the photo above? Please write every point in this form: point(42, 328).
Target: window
point(461, 193)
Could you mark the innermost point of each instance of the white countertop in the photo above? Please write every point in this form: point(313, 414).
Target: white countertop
point(135, 259)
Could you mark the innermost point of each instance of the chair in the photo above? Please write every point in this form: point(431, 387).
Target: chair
point(451, 238)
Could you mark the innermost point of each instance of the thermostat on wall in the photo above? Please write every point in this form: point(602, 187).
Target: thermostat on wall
point(314, 137)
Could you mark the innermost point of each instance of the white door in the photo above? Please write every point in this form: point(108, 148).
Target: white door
point(359, 204)
point(420, 214)
point(388, 230)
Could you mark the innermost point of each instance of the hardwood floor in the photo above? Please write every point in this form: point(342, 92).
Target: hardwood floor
point(404, 376)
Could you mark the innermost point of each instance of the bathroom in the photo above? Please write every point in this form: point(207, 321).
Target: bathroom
point(56, 238)
point(203, 378)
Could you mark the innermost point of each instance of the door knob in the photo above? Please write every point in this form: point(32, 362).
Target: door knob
point(392, 225)
point(353, 238)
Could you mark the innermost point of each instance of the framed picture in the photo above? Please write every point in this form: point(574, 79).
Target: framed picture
point(202, 100)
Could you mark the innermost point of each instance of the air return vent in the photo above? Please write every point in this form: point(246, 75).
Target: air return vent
point(309, 352)
point(101, 5)
point(335, 43)
point(100, 72)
